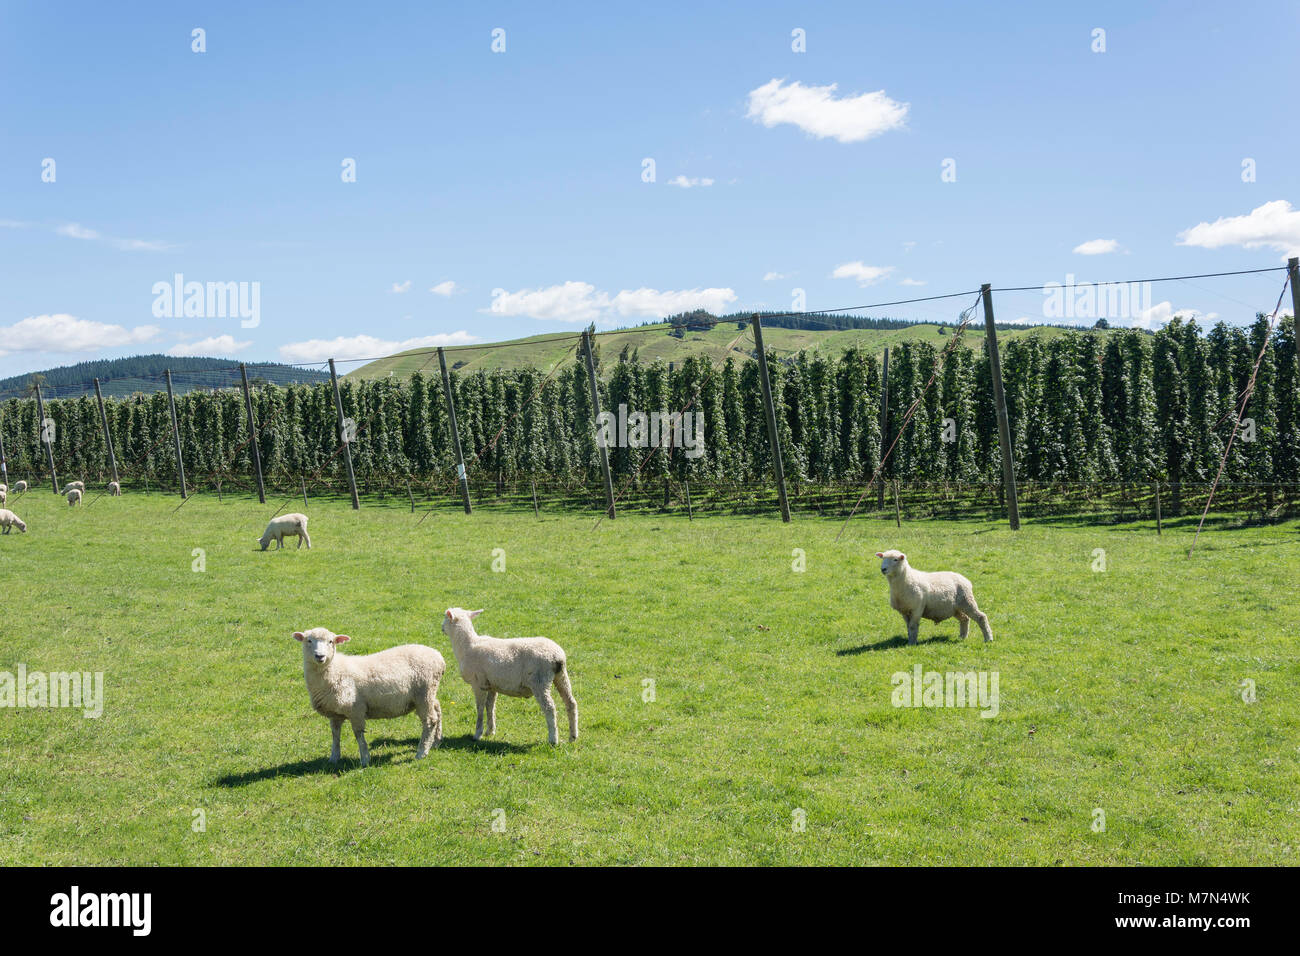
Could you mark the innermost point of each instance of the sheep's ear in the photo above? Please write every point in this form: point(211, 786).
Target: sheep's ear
point(341, 638)
point(449, 614)
point(902, 556)
point(299, 635)
point(474, 614)
point(880, 554)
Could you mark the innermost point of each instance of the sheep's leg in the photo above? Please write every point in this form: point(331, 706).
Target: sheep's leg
point(570, 702)
point(480, 698)
point(306, 537)
point(982, 620)
point(964, 622)
point(359, 728)
point(913, 627)
point(428, 722)
point(299, 548)
point(548, 709)
point(491, 708)
point(336, 726)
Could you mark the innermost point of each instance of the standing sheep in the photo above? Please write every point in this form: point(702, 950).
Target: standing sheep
point(74, 486)
point(289, 524)
point(10, 520)
point(3, 486)
point(74, 497)
point(114, 489)
point(20, 487)
point(391, 683)
point(516, 667)
point(932, 595)
point(3, 495)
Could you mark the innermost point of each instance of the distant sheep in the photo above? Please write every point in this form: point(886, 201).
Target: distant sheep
point(114, 489)
point(516, 667)
point(391, 683)
point(19, 487)
point(3, 495)
point(74, 486)
point(3, 486)
point(278, 528)
point(933, 595)
point(74, 497)
point(10, 520)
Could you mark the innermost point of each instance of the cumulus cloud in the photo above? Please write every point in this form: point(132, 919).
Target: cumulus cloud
point(1274, 225)
point(366, 346)
point(916, 282)
point(444, 288)
point(864, 274)
point(1097, 247)
point(820, 113)
point(215, 345)
point(402, 286)
point(1162, 312)
point(583, 302)
point(67, 333)
point(771, 276)
point(686, 182)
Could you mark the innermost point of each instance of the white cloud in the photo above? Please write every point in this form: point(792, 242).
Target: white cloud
point(366, 346)
point(1274, 225)
point(583, 302)
point(444, 288)
point(1097, 247)
point(653, 303)
point(1023, 320)
point(866, 275)
point(1160, 314)
point(817, 111)
point(772, 276)
point(570, 302)
point(216, 345)
point(916, 282)
point(402, 286)
point(75, 230)
point(687, 182)
point(67, 333)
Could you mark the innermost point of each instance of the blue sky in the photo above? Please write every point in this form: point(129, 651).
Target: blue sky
point(518, 176)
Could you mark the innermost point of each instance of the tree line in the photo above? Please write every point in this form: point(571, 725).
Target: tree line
point(1116, 406)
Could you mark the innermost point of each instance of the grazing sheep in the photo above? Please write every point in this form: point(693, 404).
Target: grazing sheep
point(74, 497)
point(3, 495)
point(10, 520)
point(391, 683)
point(3, 486)
point(933, 595)
point(516, 667)
point(20, 487)
point(290, 524)
point(114, 489)
point(74, 485)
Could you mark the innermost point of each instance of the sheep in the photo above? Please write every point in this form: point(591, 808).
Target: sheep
point(74, 485)
point(3, 495)
point(933, 595)
point(20, 487)
point(390, 683)
point(3, 486)
point(10, 520)
point(74, 497)
point(114, 489)
point(517, 667)
point(289, 524)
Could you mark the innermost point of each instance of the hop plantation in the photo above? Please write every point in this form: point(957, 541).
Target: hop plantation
point(1086, 406)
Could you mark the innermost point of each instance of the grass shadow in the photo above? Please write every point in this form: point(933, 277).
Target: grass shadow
point(300, 768)
point(889, 643)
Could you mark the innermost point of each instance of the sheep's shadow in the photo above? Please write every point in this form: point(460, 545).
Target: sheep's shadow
point(889, 643)
point(487, 744)
point(302, 768)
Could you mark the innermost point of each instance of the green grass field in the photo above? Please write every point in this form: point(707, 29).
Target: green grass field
point(1120, 690)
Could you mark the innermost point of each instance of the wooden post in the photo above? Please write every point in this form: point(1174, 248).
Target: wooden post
point(252, 433)
point(4, 462)
point(108, 436)
point(176, 433)
point(884, 429)
point(1293, 270)
point(1000, 402)
point(589, 355)
point(49, 446)
point(455, 431)
point(410, 495)
point(219, 498)
point(773, 438)
point(304, 491)
point(536, 511)
point(690, 515)
point(347, 443)
point(898, 515)
point(1158, 524)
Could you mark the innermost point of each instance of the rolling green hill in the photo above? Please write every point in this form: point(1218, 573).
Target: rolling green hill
point(654, 342)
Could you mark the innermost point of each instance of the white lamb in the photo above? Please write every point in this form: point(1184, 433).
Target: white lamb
point(3, 486)
point(3, 495)
point(932, 595)
point(391, 683)
point(290, 524)
point(114, 489)
point(74, 497)
point(516, 667)
point(20, 486)
point(10, 520)
point(74, 485)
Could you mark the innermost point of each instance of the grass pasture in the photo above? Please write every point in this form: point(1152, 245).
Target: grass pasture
point(1119, 690)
